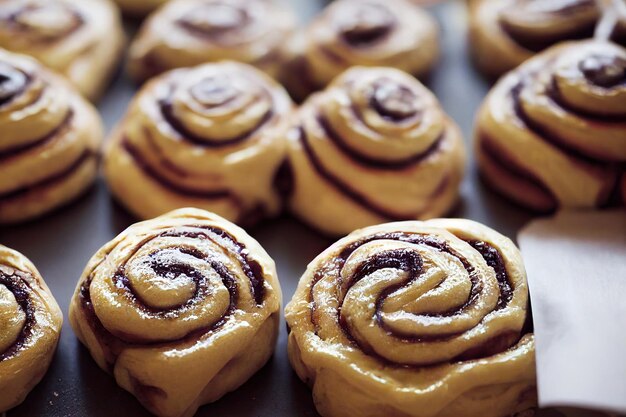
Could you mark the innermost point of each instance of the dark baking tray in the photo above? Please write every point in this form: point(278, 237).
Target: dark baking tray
point(61, 244)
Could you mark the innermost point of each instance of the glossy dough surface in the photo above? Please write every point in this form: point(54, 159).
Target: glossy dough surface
point(374, 146)
point(211, 137)
point(30, 320)
point(185, 33)
point(81, 39)
point(419, 319)
point(504, 33)
point(389, 33)
point(552, 133)
point(181, 309)
point(49, 140)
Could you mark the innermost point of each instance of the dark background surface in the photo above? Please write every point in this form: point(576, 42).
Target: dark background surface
point(62, 243)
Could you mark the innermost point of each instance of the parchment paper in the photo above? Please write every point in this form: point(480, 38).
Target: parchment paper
point(576, 264)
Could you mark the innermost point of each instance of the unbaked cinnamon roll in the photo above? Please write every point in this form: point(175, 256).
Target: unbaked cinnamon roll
point(211, 137)
point(185, 33)
point(181, 309)
point(138, 8)
point(419, 319)
point(30, 320)
point(375, 146)
point(81, 39)
point(552, 133)
point(389, 33)
point(504, 33)
point(49, 140)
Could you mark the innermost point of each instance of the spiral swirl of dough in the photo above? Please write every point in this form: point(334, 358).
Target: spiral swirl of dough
point(181, 309)
point(82, 40)
point(515, 30)
point(185, 33)
point(372, 33)
point(421, 319)
point(30, 320)
point(50, 140)
point(374, 146)
point(211, 137)
point(552, 133)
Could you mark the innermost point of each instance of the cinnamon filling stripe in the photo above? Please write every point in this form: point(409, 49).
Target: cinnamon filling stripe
point(546, 134)
point(167, 111)
point(22, 293)
point(51, 181)
point(503, 161)
point(395, 165)
point(353, 194)
point(170, 185)
point(54, 134)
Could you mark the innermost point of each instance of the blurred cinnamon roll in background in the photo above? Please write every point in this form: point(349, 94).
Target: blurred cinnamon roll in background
point(374, 146)
point(504, 33)
point(30, 323)
point(552, 133)
point(185, 33)
point(181, 310)
point(50, 139)
point(415, 319)
point(390, 33)
point(81, 39)
point(212, 137)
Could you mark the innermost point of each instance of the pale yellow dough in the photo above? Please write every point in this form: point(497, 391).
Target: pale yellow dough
point(50, 139)
point(373, 33)
point(408, 319)
point(185, 33)
point(548, 136)
point(25, 302)
point(181, 309)
point(212, 137)
point(81, 39)
point(353, 165)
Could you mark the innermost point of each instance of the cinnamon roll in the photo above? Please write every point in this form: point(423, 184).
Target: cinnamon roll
point(181, 310)
point(552, 133)
point(49, 140)
point(375, 146)
point(139, 7)
point(82, 40)
point(185, 33)
point(420, 319)
point(211, 137)
point(30, 320)
point(389, 33)
point(504, 33)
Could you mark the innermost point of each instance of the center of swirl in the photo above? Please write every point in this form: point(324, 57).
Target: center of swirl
point(12, 83)
point(49, 20)
point(213, 19)
point(362, 24)
point(394, 100)
point(214, 91)
point(166, 279)
point(604, 71)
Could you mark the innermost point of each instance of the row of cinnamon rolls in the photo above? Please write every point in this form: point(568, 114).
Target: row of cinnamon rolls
point(84, 40)
point(374, 146)
point(407, 319)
